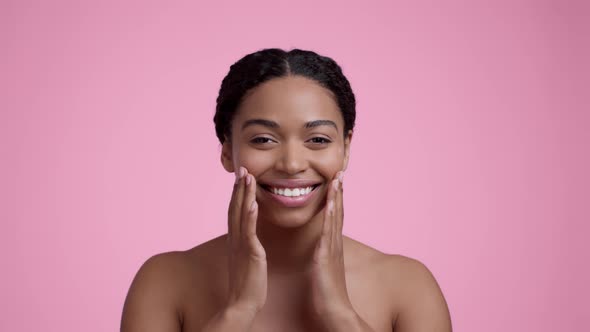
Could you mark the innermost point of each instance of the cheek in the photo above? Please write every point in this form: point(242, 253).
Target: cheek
point(329, 168)
point(336, 154)
point(327, 163)
point(254, 161)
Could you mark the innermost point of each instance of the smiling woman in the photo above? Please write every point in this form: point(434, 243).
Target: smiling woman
point(285, 120)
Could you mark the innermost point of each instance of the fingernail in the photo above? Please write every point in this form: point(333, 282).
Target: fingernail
point(341, 176)
point(253, 206)
point(248, 179)
point(331, 207)
point(335, 184)
point(240, 173)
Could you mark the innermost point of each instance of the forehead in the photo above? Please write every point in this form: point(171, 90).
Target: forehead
point(289, 100)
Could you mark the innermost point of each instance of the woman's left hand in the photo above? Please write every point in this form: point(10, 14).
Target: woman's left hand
point(329, 296)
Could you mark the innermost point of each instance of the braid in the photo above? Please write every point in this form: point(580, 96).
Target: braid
point(261, 66)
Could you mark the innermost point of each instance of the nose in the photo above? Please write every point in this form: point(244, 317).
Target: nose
point(292, 158)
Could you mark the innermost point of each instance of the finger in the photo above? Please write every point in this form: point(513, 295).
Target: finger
point(235, 206)
point(340, 210)
point(249, 198)
point(336, 189)
point(328, 211)
point(329, 218)
point(250, 231)
point(324, 241)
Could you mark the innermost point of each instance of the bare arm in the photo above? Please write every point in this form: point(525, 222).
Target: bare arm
point(151, 303)
point(425, 308)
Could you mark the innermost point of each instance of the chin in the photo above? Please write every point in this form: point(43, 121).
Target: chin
point(290, 219)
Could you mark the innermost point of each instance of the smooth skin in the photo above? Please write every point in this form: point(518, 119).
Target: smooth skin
point(281, 268)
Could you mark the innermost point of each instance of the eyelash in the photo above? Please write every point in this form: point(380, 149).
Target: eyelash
point(256, 140)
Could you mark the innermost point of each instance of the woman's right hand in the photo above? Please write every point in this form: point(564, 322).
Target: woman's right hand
point(247, 259)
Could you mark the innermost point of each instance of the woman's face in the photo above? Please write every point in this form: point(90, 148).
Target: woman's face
point(288, 128)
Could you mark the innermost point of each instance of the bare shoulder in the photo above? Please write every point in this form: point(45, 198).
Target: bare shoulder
point(422, 305)
point(360, 254)
point(413, 294)
point(403, 272)
point(376, 265)
point(156, 300)
point(152, 300)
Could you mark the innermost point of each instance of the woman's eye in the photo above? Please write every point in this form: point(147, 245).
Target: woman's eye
point(260, 140)
point(320, 140)
point(265, 140)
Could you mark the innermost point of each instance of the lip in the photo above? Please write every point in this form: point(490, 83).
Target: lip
point(293, 202)
point(290, 183)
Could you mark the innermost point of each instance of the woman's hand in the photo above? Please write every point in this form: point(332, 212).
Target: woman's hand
point(247, 258)
point(329, 296)
point(328, 285)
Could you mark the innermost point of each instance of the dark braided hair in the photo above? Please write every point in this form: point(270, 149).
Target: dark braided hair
point(261, 66)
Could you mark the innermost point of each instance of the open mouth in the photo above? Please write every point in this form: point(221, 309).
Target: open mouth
point(290, 192)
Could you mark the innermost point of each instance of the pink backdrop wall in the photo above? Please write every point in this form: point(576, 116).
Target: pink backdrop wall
point(470, 153)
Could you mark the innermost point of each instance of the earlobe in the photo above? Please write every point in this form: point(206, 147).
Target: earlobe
point(345, 163)
point(226, 157)
point(347, 141)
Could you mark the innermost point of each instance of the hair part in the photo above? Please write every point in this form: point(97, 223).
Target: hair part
point(264, 65)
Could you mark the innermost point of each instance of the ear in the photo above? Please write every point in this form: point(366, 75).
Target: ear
point(347, 141)
point(226, 157)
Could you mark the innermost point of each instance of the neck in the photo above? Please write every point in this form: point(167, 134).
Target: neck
point(289, 250)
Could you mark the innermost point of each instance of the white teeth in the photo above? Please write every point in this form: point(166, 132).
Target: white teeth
point(288, 192)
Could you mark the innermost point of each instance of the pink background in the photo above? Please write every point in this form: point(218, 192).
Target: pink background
point(470, 152)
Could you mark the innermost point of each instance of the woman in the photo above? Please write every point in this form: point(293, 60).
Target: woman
point(285, 121)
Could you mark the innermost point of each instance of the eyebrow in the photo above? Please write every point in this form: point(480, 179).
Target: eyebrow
point(272, 124)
